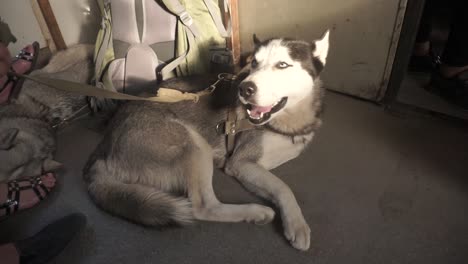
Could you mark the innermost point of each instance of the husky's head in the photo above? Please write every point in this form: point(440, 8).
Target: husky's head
point(25, 153)
point(282, 73)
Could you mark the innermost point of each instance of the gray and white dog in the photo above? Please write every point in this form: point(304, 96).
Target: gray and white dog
point(27, 139)
point(155, 164)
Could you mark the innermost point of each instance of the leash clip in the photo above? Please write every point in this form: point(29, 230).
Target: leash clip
point(211, 88)
point(221, 77)
point(226, 76)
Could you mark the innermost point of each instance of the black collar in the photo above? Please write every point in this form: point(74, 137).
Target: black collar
point(304, 131)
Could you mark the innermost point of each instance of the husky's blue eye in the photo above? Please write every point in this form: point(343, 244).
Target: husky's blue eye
point(282, 65)
point(254, 63)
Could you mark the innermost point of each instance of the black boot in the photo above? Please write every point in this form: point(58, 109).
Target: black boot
point(50, 241)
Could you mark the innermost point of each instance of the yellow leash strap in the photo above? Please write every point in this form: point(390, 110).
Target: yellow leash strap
point(165, 95)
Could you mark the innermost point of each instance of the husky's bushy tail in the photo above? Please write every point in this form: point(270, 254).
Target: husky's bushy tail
point(136, 202)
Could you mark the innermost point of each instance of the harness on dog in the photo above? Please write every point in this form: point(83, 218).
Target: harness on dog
point(231, 127)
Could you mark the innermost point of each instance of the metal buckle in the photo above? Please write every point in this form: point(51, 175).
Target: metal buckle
point(230, 128)
point(226, 128)
point(186, 18)
point(220, 128)
point(8, 203)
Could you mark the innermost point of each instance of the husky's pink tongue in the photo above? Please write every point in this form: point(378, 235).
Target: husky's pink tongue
point(256, 110)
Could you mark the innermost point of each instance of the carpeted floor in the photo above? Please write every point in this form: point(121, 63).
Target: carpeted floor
point(374, 187)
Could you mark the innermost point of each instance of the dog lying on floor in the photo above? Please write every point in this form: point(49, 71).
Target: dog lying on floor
point(155, 164)
point(27, 136)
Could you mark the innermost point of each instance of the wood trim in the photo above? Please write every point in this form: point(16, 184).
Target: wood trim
point(235, 39)
point(233, 42)
point(43, 26)
point(52, 24)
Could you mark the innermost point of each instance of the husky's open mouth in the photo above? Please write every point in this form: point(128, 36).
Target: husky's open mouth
point(260, 114)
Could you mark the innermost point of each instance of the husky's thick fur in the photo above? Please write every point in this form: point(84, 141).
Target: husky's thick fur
point(27, 139)
point(155, 164)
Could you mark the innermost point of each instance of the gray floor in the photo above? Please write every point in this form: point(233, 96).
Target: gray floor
point(374, 187)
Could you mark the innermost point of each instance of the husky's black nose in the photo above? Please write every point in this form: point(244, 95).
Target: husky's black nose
point(247, 89)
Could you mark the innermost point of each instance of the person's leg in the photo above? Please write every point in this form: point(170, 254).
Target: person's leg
point(23, 63)
point(451, 79)
point(423, 58)
point(422, 45)
point(6, 85)
point(46, 244)
point(24, 193)
point(455, 56)
point(9, 254)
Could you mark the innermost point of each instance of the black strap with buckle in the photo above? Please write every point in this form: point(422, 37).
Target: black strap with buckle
point(231, 127)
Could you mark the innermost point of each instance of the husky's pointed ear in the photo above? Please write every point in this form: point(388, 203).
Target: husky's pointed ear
point(50, 165)
point(7, 138)
point(321, 48)
point(256, 40)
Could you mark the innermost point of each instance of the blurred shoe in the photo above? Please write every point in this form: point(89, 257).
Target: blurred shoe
point(426, 63)
point(51, 240)
point(454, 89)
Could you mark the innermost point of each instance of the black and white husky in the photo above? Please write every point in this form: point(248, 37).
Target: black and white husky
point(155, 164)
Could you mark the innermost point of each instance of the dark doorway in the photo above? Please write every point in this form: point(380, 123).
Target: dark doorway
point(409, 89)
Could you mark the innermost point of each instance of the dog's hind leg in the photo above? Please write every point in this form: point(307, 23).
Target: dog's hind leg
point(205, 204)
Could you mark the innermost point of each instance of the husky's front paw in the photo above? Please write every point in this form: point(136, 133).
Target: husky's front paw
point(297, 232)
point(261, 215)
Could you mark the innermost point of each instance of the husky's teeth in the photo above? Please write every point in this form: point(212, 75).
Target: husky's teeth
point(254, 117)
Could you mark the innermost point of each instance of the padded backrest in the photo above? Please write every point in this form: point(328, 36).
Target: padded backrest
point(145, 22)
